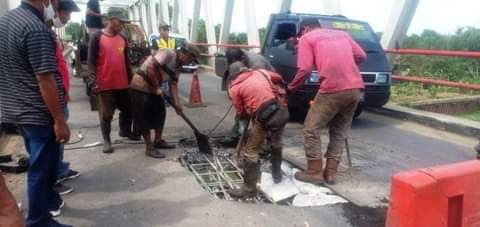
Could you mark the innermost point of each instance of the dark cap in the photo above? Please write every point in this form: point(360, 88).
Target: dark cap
point(236, 69)
point(68, 5)
point(307, 21)
point(117, 13)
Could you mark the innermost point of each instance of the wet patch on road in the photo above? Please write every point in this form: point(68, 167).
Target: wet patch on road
point(359, 216)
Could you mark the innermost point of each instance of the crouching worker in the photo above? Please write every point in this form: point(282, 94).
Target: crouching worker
point(258, 95)
point(149, 110)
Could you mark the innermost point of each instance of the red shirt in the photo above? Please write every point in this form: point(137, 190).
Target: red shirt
point(111, 65)
point(335, 55)
point(62, 66)
point(250, 90)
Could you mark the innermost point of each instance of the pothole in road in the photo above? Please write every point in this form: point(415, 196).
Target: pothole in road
point(219, 173)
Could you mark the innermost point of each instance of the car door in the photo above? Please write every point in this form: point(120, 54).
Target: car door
point(278, 51)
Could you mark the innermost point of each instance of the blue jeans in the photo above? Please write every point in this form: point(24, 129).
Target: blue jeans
point(44, 153)
point(63, 167)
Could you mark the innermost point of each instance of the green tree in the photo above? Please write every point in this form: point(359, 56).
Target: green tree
point(74, 30)
point(447, 68)
point(262, 32)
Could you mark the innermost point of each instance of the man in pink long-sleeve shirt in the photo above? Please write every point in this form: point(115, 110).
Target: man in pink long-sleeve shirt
point(335, 55)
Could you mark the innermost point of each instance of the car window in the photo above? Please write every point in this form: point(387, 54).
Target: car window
point(361, 32)
point(283, 32)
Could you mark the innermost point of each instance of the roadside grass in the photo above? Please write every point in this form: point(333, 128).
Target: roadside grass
point(474, 115)
point(406, 93)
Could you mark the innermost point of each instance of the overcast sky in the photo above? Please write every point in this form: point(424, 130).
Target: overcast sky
point(444, 16)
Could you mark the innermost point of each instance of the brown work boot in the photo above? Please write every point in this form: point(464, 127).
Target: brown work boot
point(313, 174)
point(330, 171)
point(276, 160)
point(250, 176)
point(154, 153)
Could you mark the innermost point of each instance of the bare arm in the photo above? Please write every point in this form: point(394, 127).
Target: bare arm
point(93, 49)
point(48, 89)
point(43, 61)
point(176, 99)
point(92, 13)
point(358, 54)
point(304, 64)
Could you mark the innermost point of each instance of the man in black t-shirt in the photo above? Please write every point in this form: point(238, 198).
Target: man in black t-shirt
point(93, 18)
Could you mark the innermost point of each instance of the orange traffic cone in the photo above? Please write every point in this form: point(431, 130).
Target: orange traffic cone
point(195, 95)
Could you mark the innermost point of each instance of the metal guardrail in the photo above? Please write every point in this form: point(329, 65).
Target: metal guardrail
point(446, 83)
point(446, 53)
point(424, 52)
point(227, 45)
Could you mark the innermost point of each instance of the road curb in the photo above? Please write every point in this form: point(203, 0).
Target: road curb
point(444, 122)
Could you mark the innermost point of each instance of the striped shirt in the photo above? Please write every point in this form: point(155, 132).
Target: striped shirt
point(27, 50)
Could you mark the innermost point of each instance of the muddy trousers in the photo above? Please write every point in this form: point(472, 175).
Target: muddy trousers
point(256, 140)
point(335, 112)
point(108, 101)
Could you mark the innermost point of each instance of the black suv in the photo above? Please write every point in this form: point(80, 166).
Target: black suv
point(376, 71)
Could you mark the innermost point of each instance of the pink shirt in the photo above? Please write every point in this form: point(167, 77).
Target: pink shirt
point(62, 66)
point(335, 55)
point(111, 65)
point(250, 90)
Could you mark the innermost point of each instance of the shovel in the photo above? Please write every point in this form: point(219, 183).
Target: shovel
point(202, 139)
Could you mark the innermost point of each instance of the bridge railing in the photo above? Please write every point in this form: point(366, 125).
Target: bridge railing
point(444, 53)
point(415, 79)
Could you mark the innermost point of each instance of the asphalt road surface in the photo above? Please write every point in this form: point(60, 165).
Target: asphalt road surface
point(381, 146)
point(126, 188)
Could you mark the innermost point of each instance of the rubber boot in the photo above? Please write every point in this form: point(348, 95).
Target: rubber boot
point(106, 127)
point(126, 129)
point(154, 153)
point(330, 171)
point(276, 160)
point(313, 174)
point(250, 177)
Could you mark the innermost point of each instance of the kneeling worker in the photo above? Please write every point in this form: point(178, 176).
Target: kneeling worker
point(258, 95)
point(149, 110)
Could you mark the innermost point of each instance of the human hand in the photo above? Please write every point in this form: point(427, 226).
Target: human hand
point(178, 108)
point(94, 90)
point(67, 98)
point(159, 92)
point(62, 132)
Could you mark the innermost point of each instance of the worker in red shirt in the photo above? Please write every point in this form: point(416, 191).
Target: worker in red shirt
point(109, 77)
point(256, 95)
point(63, 15)
point(335, 55)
